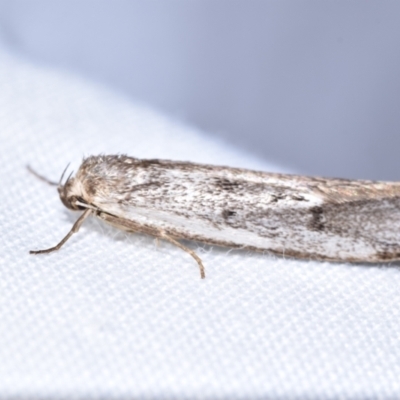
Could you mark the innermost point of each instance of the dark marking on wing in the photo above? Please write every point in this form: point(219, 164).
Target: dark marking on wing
point(275, 197)
point(298, 197)
point(226, 214)
point(146, 186)
point(387, 255)
point(389, 251)
point(226, 184)
point(317, 219)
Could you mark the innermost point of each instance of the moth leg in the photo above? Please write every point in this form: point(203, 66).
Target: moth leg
point(132, 226)
point(189, 251)
point(74, 229)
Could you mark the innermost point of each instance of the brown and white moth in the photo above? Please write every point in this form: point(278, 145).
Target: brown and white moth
point(290, 215)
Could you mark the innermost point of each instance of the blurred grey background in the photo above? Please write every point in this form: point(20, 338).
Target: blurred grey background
point(313, 85)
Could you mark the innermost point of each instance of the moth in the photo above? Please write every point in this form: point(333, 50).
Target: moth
point(288, 215)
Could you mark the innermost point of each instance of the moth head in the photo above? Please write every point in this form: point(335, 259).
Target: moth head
point(71, 193)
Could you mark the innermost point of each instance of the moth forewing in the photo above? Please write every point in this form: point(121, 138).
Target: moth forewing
point(298, 216)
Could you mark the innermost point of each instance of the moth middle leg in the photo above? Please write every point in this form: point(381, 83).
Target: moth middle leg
point(163, 235)
point(132, 226)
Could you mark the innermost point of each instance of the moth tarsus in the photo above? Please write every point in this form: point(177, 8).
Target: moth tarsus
point(288, 215)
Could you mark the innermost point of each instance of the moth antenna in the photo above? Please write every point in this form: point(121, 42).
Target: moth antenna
point(42, 178)
point(62, 175)
point(69, 176)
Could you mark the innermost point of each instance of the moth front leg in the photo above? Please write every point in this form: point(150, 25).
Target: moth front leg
point(132, 226)
point(74, 229)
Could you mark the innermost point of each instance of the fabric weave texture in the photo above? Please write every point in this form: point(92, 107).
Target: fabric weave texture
point(113, 315)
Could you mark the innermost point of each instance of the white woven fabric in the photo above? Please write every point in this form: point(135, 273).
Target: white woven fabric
point(112, 315)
